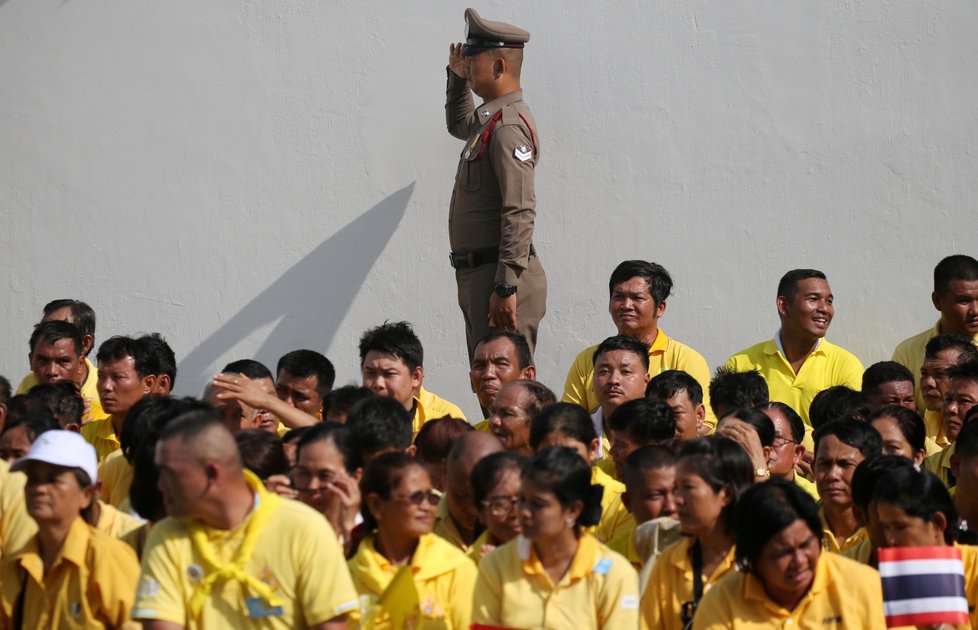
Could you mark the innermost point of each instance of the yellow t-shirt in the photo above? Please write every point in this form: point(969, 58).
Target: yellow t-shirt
point(599, 590)
point(297, 554)
point(616, 520)
point(101, 435)
point(671, 585)
point(828, 365)
point(910, 354)
point(89, 390)
point(844, 594)
point(115, 522)
point(90, 584)
point(940, 464)
point(831, 543)
point(435, 590)
point(115, 473)
point(665, 353)
point(432, 407)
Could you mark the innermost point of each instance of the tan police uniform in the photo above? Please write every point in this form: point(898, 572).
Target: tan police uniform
point(490, 221)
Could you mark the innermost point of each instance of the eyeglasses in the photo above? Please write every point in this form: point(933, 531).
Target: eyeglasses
point(500, 506)
point(419, 497)
point(780, 440)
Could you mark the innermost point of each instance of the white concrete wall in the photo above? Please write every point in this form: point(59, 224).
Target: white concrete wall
point(248, 177)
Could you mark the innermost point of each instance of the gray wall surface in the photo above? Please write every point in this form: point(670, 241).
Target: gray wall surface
point(252, 176)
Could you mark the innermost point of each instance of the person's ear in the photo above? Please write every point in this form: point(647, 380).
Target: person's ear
point(767, 454)
point(939, 521)
point(373, 504)
point(411, 450)
point(799, 453)
point(660, 309)
point(87, 342)
point(358, 474)
point(593, 451)
point(417, 377)
point(163, 384)
point(498, 67)
point(529, 373)
point(89, 495)
point(782, 304)
point(149, 383)
point(935, 300)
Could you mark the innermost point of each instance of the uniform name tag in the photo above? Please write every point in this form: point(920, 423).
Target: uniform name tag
point(522, 153)
point(257, 609)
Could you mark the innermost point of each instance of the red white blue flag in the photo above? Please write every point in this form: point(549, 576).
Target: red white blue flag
point(923, 586)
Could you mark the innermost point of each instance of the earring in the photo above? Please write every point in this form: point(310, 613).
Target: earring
point(570, 523)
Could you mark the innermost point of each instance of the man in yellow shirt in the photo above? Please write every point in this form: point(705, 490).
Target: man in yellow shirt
point(621, 373)
point(962, 398)
point(303, 380)
point(799, 363)
point(74, 312)
point(457, 517)
point(391, 364)
point(232, 554)
point(513, 409)
point(956, 297)
point(941, 353)
point(638, 300)
point(500, 357)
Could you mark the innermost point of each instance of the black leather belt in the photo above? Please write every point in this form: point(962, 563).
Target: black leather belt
point(477, 257)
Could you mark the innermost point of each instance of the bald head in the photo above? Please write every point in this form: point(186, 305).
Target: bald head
point(468, 450)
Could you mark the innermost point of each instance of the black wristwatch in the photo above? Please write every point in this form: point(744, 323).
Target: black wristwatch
point(504, 290)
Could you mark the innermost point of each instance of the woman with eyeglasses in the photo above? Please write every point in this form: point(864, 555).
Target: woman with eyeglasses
point(496, 491)
point(326, 476)
point(405, 575)
point(555, 574)
point(784, 578)
point(711, 474)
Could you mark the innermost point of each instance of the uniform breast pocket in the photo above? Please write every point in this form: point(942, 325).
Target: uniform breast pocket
point(471, 175)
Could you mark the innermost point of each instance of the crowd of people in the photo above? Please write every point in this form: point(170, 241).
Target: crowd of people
point(652, 492)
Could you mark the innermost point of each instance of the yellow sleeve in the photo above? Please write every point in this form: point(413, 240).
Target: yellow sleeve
point(116, 571)
point(159, 595)
point(325, 588)
point(460, 600)
point(711, 614)
point(851, 372)
point(618, 599)
point(653, 597)
point(578, 380)
point(16, 525)
point(487, 598)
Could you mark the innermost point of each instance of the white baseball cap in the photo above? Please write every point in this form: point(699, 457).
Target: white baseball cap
point(62, 448)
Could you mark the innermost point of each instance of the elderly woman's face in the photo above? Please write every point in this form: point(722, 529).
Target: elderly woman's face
point(786, 564)
point(53, 494)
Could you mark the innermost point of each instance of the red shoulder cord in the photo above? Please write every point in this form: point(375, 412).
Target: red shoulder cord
point(492, 123)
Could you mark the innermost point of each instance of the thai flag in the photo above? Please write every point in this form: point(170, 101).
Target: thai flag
point(923, 586)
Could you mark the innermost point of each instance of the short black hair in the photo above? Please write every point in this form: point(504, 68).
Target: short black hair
point(795, 424)
point(165, 357)
point(655, 275)
point(644, 421)
point(561, 470)
point(249, 368)
point(567, 419)
point(883, 372)
point(766, 509)
point(119, 347)
point(720, 462)
point(54, 331)
point(540, 395)
point(909, 422)
point(397, 339)
point(63, 399)
point(788, 285)
point(967, 371)
point(621, 342)
point(866, 474)
point(956, 267)
point(262, 453)
point(379, 423)
point(4, 390)
point(951, 341)
point(758, 420)
point(342, 399)
point(730, 389)
point(488, 471)
point(648, 457)
point(920, 494)
point(667, 384)
point(523, 354)
point(857, 434)
point(30, 413)
point(82, 315)
point(306, 363)
point(966, 445)
point(838, 403)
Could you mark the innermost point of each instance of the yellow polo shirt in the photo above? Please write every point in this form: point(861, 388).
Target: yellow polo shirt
point(89, 390)
point(115, 522)
point(446, 528)
point(297, 554)
point(599, 590)
point(431, 407)
point(616, 520)
point(671, 585)
point(115, 473)
point(828, 365)
point(101, 435)
point(807, 486)
point(910, 354)
point(624, 545)
point(831, 543)
point(934, 430)
point(861, 552)
point(90, 584)
point(665, 353)
point(940, 464)
point(844, 595)
point(438, 592)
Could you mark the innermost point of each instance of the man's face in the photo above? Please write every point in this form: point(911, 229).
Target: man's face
point(809, 311)
point(183, 480)
point(934, 379)
point(633, 309)
point(479, 72)
point(959, 307)
point(649, 495)
point(619, 376)
point(621, 447)
point(494, 364)
point(965, 470)
point(387, 375)
point(689, 417)
point(835, 462)
point(299, 392)
point(64, 314)
point(14, 444)
point(264, 419)
point(962, 395)
point(510, 419)
point(120, 386)
point(786, 452)
point(893, 393)
point(237, 415)
point(57, 362)
point(458, 494)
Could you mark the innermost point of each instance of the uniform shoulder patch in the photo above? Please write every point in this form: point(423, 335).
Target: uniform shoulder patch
point(522, 153)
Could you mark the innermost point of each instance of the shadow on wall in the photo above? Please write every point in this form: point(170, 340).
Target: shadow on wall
point(311, 298)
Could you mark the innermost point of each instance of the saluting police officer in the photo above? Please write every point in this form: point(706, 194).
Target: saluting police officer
point(501, 283)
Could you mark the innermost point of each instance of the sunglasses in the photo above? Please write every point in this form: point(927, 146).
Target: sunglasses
point(419, 497)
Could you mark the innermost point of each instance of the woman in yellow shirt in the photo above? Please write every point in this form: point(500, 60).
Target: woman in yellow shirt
point(555, 574)
point(495, 492)
point(711, 474)
point(785, 579)
point(405, 575)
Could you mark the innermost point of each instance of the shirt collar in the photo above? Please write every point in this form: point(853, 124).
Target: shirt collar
point(660, 344)
point(73, 550)
point(584, 562)
point(780, 347)
point(487, 110)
